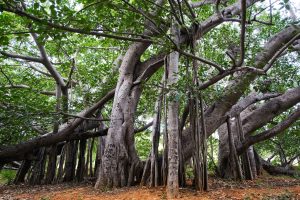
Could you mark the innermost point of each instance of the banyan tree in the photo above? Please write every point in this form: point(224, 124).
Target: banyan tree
point(80, 79)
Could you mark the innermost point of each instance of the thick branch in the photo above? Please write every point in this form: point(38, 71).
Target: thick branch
point(279, 128)
point(265, 113)
point(215, 114)
point(275, 170)
point(20, 150)
point(249, 100)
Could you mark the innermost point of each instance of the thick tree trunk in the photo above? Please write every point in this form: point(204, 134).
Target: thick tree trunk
point(119, 150)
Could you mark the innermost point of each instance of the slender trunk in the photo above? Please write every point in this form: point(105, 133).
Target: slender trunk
point(22, 171)
point(91, 158)
point(253, 163)
point(51, 168)
point(154, 172)
point(100, 152)
point(245, 156)
point(172, 123)
point(87, 163)
point(60, 172)
point(204, 147)
point(233, 157)
point(146, 172)
point(61, 104)
point(81, 168)
point(38, 168)
point(70, 161)
point(164, 168)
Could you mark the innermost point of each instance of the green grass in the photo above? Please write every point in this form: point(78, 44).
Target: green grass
point(7, 176)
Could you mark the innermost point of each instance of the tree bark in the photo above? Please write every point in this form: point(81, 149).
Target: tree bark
point(70, 160)
point(81, 168)
point(22, 171)
point(120, 133)
point(155, 178)
point(172, 123)
point(38, 169)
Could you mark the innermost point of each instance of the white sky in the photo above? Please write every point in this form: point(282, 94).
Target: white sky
point(295, 4)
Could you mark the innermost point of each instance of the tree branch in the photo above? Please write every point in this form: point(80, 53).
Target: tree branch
point(22, 57)
point(243, 30)
point(70, 29)
point(48, 93)
point(45, 60)
point(280, 51)
point(279, 128)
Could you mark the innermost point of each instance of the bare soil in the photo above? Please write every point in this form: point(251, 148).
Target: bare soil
point(266, 188)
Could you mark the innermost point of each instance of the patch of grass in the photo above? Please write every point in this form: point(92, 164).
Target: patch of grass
point(7, 176)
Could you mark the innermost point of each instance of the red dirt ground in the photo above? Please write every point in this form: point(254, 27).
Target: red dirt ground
point(267, 188)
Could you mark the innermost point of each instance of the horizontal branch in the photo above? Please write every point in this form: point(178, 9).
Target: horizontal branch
point(48, 93)
point(201, 60)
point(198, 4)
point(103, 132)
point(249, 100)
point(275, 170)
point(24, 149)
point(225, 73)
point(20, 151)
point(22, 57)
point(85, 118)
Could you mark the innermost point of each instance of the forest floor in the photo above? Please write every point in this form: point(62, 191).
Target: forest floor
point(266, 188)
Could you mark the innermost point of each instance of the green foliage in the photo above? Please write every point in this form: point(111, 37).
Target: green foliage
point(285, 144)
point(212, 151)
point(143, 144)
point(7, 176)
